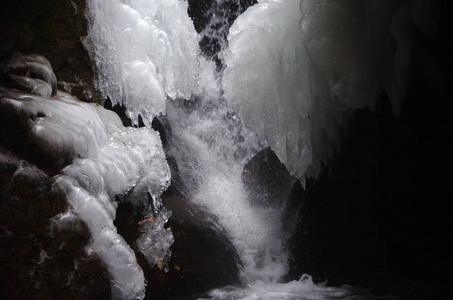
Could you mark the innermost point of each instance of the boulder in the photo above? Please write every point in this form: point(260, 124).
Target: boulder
point(267, 179)
point(202, 255)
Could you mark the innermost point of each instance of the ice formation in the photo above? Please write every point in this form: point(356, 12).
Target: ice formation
point(32, 73)
point(144, 50)
point(268, 85)
point(107, 159)
point(296, 70)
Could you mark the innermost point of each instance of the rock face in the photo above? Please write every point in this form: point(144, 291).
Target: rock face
point(36, 259)
point(54, 29)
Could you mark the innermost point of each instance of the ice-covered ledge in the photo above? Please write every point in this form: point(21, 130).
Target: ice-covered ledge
point(106, 159)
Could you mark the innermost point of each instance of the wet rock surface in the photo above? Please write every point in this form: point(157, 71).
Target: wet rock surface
point(202, 257)
point(267, 179)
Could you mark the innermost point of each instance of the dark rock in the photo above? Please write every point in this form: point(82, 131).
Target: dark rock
point(267, 179)
point(337, 238)
point(53, 29)
point(202, 257)
point(120, 110)
point(27, 184)
point(35, 261)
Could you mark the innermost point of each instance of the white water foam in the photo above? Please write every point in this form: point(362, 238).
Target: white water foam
point(211, 147)
point(302, 289)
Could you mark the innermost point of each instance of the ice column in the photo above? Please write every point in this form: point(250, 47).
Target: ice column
point(144, 50)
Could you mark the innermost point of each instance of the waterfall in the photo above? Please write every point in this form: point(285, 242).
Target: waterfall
point(209, 143)
point(211, 147)
point(148, 59)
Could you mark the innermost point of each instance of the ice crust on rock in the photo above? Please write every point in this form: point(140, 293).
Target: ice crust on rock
point(144, 51)
point(59, 123)
point(31, 72)
point(152, 232)
point(107, 159)
point(128, 281)
point(297, 70)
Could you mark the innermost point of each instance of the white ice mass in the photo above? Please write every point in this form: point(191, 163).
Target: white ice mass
point(296, 70)
point(266, 79)
point(144, 51)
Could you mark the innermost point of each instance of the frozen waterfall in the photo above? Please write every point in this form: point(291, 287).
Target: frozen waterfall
point(291, 76)
point(144, 52)
point(297, 70)
point(207, 142)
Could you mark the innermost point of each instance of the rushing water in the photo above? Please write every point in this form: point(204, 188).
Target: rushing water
point(211, 148)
